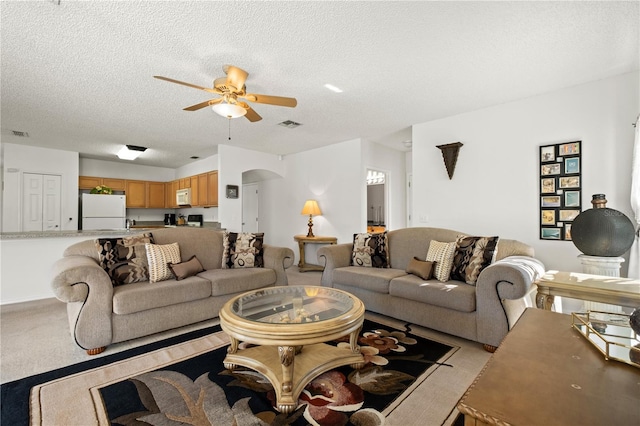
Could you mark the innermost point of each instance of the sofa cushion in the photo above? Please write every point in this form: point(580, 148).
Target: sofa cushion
point(142, 296)
point(442, 254)
point(159, 256)
point(420, 268)
point(372, 279)
point(243, 250)
point(451, 295)
point(231, 281)
point(370, 250)
point(473, 254)
point(125, 258)
point(186, 269)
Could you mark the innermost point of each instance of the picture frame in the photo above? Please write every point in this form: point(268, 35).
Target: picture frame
point(551, 201)
point(569, 182)
point(560, 189)
point(572, 165)
point(550, 169)
point(548, 153)
point(571, 148)
point(550, 233)
point(572, 198)
point(548, 186)
point(232, 191)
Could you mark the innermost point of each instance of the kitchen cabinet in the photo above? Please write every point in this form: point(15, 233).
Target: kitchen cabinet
point(136, 192)
point(90, 182)
point(155, 195)
point(203, 189)
point(195, 196)
point(212, 190)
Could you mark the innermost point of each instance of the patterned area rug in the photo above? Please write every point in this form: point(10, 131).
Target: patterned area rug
point(186, 383)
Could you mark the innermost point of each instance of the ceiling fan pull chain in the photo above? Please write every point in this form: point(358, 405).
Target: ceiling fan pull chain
point(229, 120)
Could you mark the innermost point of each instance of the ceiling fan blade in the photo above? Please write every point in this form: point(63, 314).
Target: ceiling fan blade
point(235, 76)
point(171, 80)
point(272, 100)
point(251, 114)
point(203, 104)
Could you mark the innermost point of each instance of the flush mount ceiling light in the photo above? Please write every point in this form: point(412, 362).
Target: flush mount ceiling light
point(130, 152)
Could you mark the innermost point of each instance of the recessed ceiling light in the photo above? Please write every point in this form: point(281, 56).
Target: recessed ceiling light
point(333, 88)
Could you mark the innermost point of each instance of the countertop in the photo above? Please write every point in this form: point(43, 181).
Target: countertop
point(136, 229)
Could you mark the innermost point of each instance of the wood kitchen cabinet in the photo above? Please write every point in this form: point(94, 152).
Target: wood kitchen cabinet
point(195, 195)
point(155, 198)
point(212, 190)
point(136, 192)
point(203, 189)
point(90, 182)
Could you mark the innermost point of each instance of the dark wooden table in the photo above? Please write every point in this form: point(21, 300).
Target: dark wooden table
point(547, 373)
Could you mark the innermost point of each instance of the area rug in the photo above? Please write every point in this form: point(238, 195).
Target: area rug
point(186, 383)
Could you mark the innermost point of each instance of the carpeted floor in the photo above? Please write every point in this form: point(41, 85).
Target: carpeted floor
point(45, 322)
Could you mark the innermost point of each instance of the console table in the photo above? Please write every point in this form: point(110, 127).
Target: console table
point(546, 373)
point(302, 240)
point(596, 288)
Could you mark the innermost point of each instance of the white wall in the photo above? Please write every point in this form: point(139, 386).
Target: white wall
point(121, 170)
point(334, 176)
point(494, 190)
point(232, 162)
point(19, 159)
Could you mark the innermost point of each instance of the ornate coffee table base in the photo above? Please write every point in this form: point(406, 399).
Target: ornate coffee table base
point(290, 369)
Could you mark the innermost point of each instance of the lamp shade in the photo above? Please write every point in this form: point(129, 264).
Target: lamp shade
point(229, 110)
point(311, 208)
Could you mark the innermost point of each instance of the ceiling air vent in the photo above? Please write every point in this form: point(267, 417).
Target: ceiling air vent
point(289, 124)
point(20, 134)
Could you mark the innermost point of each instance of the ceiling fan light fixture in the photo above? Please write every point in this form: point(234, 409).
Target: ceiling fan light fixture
point(130, 152)
point(228, 110)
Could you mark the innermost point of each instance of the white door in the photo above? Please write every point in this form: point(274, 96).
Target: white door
point(41, 202)
point(250, 207)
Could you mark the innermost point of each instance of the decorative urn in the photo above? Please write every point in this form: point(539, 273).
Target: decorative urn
point(602, 231)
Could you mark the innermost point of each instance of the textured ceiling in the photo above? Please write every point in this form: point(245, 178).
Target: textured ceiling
point(78, 75)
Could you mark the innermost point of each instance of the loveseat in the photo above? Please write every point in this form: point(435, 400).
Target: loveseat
point(110, 297)
point(483, 311)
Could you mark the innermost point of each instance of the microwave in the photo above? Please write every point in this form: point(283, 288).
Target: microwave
point(183, 197)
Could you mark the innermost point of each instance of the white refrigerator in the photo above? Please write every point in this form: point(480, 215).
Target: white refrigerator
point(101, 211)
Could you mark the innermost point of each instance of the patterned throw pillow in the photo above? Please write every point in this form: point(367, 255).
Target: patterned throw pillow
point(159, 256)
point(442, 255)
point(243, 250)
point(473, 254)
point(124, 259)
point(370, 250)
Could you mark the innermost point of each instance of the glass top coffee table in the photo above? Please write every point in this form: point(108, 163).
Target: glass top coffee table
point(291, 326)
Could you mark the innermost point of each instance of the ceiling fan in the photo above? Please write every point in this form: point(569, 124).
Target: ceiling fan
point(231, 89)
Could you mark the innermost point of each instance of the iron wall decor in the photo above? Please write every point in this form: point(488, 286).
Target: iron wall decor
point(560, 189)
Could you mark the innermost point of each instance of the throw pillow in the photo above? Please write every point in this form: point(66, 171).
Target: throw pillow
point(370, 250)
point(420, 268)
point(187, 268)
point(124, 259)
point(243, 250)
point(159, 256)
point(442, 254)
point(473, 254)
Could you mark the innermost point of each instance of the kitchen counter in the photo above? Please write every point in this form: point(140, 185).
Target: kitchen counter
point(72, 233)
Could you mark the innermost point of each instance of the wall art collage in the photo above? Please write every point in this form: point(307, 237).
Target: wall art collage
point(560, 189)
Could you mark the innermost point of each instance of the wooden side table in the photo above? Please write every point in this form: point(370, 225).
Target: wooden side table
point(596, 288)
point(546, 373)
point(303, 266)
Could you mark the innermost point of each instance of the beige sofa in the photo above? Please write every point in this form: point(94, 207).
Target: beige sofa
point(101, 313)
point(483, 313)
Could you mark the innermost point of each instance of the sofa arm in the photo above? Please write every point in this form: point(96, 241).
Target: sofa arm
point(81, 282)
point(332, 257)
point(278, 259)
point(509, 279)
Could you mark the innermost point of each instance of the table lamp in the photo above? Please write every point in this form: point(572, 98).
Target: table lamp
point(311, 208)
